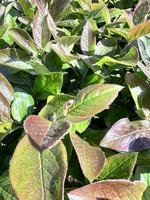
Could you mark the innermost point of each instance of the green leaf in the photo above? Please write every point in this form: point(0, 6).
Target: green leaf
point(92, 100)
point(88, 39)
point(6, 89)
point(79, 127)
point(49, 84)
point(6, 191)
point(24, 40)
point(55, 107)
point(142, 173)
point(119, 166)
point(88, 156)
point(111, 189)
point(21, 106)
point(131, 58)
point(15, 58)
point(38, 174)
point(140, 91)
point(27, 7)
point(57, 7)
point(6, 127)
point(144, 48)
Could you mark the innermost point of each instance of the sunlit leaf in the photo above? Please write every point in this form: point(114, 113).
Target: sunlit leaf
point(24, 40)
point(6, 89)
point(92, 159)
point(49, 84)
point(88, 39)
point(92, 100)
point(38, 174)
point(111, 189)
point(21, 106)
point(128, 136)
point(119, 166)
point(44, 133)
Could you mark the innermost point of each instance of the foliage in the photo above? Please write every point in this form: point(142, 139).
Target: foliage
point(74, 99)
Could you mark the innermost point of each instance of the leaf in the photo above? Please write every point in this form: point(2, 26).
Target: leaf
point(131, 58)
point(144, 48)
point(38, 174)
point(48, 84)
point(106, 47)
point(88, 39)
point(92, 100)
point(142, 173)
point(52, 26)
point(55, 107)
point(21, 106)
point(140, 91)
point(139, 30)
point(24, 40)
point(141, 11)
point(6, 89)
point(57, 7)
point(79, 127)
point(27, 7)
point(6, 191)
point(6, 127)
point(4, 107)
point(43, 133)
point(111, 189)
point(40, 30)
point(128, 136)
point(119, 166)
point(15, 58)
point(92, 159)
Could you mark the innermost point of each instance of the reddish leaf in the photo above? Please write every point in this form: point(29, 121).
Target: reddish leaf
point(128, 136)
point(44, 133)
point(109, 190)
point(6, 89)
point(4, 107)
point(92, 159)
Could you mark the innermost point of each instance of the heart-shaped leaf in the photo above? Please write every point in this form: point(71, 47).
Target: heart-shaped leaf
point(6, 89)
point(38, 175)
point(92, 159)
point(44, 133)
point(119, 166)
point(92, 100)
point(109, 190)
point(128, 136)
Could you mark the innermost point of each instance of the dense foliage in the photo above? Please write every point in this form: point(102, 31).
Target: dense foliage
point(74, 100)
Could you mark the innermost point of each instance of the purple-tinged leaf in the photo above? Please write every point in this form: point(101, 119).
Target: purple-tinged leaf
point(126, 136)
point(43, 133)
point(109, 190)
point(6, 89)
point(88, 39)
point(92, 159)
point(4, 107)
point(141, 11)
point(38, 175)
